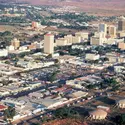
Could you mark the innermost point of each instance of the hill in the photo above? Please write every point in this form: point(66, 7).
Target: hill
point(99, 7)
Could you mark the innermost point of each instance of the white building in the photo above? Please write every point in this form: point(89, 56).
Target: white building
point(69, 39)
point(91, 56)
point(83, 35)
point(98, 39)
point(76, 39)
point(98, 114)
point(49, 44)
point(3, 53)
point(121, 103)
point(61, 42)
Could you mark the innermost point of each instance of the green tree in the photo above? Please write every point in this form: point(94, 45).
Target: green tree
point(120, 120)
point(9, 113)
point(52, 78)
point(66, 112)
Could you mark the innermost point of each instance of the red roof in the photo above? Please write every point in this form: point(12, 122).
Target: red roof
point(49, 34)
point(2, 107)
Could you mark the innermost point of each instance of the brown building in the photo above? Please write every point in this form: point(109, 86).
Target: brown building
point(121, 25)
point(16, 43)
point(111, 31)
point(32, 46)
point(121, 45)
point(35, 24)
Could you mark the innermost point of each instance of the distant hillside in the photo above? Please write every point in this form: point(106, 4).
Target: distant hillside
point(109, 7)
point(101, 7)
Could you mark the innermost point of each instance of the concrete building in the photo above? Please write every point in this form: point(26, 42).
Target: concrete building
point(95, 41)
point(35, 24)
point(98, 39)
point(98, 114)
point(121, 24)
point(11, 48)
point(121, 34)
point(91, 56)
point(16, 43)
point(3, 53)
point(83, 35)
point(103, 28)
point(69, 39)
point(49, 44)
point(119, 69)
point(121, 103)
point(110, 41)
point(61, 42)
point(111, 31)
point(115, 58)
point(76, 39)
point(121, 45)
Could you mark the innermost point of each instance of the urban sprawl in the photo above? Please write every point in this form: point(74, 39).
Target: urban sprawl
point(55, 59)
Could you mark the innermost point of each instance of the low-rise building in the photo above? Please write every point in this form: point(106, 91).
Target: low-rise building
point(121, 45)
point(83, 35)
point(3, 53)
point(61, 42)
point(91, 56)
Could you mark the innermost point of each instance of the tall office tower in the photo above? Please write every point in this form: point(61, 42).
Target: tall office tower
point(112, 31)
point(49, 43)
point(121, 24)
point(103, 28)
point(16, 43)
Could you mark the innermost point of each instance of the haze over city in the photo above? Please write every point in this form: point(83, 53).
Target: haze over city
point(62, 62)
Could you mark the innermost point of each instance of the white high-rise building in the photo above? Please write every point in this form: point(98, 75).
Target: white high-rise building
point(49, 43)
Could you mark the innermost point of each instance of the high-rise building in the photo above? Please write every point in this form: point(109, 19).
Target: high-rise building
point(103, 28)
point(16, 43)
point(98, 39)
point(49, 43)
point(121, 24)
point(111, 31)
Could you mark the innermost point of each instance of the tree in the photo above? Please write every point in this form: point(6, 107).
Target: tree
point(115, 88)
point(56, 61)
point(90, 86)
point(49, 56)
point(9, 113)
point(35, 124)
point(52, 78)
point(65, 112)
point(120, 119)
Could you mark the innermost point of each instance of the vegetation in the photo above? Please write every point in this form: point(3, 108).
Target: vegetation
point(5, 38)
point(9, 113)
point(66, 112)
point(52, 77)
point(120, 119)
